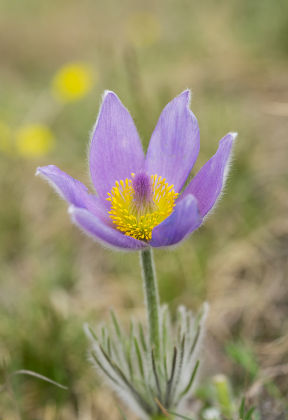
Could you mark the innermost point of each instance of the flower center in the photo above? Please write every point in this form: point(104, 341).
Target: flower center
point(141, 203)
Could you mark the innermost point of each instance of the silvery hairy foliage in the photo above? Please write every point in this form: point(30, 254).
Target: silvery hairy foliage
point(145, 380)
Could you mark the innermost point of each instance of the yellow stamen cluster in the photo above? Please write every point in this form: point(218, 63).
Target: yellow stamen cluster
point(138, 219)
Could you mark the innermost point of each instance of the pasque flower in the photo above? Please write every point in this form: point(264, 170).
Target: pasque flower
point(141, 201)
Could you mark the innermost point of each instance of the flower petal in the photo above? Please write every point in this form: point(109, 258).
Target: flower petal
point(72, 190)
point(175, 142)
point(103, 233)
point(208, 183)
point(184, 219)
point(115, 149)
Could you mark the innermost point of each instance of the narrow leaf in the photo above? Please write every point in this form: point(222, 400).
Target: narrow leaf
point(156, 374)
point(170, 381)
point(131, 388)
point(142, 337)
point(180, 365)
point(249, 413)
point(164, 341)
point(190, 383)
point(195, 341)
point(105, 371)
point(116, 324)
point(38, 376)
point(242, 408)
point(139, 357)
point(90, 333)
point(179, 415)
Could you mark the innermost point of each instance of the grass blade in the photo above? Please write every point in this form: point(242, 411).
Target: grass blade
point(38, 376)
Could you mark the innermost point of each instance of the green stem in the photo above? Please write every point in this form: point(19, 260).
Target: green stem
point(151, 298)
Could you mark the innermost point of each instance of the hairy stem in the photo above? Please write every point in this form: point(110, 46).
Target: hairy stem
point(151, 298)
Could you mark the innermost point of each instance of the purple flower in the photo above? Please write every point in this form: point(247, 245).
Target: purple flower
point(139, 199)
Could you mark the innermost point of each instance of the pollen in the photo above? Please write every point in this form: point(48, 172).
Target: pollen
point(141, 203)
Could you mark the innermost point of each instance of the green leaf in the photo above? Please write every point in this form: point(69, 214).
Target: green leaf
point(249, 413)
point(116, 324)
point(139, 357)
point(104, 370)
point(180, 416)
point(138, 397)
point(242, 408)
point(91, 332)
point(142, 337)
point(156, 375)
point(181, 359)
point(165, 341)
point(242, 411)
point(170, 380)
point(190, 383)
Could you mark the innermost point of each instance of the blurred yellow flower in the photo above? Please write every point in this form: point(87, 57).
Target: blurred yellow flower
point(34, 140)
point(73, 81)
point(6, 144)
point(143, 29)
